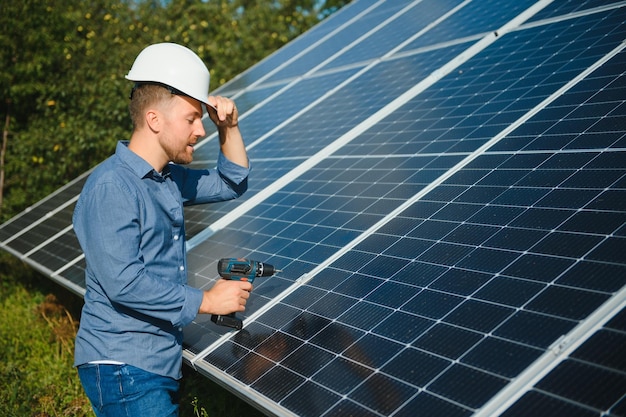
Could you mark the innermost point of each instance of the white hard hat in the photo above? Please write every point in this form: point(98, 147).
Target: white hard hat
point(175, 66)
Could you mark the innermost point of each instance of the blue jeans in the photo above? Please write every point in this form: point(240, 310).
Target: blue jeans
point(126, 391)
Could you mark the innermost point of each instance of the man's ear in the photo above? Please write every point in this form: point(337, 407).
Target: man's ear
point(153, 120)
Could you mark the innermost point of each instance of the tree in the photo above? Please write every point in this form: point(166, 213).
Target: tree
point(62, 67)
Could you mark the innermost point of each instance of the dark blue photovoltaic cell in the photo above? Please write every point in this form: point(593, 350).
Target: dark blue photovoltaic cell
point(46, 229)
point(501, 357)
point(44, 234)
point(382, 394)
point(330, 46)
point(247, 100)
point(424, 405)
point(474, 18)
point(75, 272)
point(309, 133)
point(454, 385)
point(42, 210)
point(604, 348)
point(511, 226)
point(444, 272)
point(259, 122)
point(296, 46)
point(541, 405)
point(558, 8)
point(254, 125)
point(502, 215)
point(592, 378)
point(395, 32)
point(55, 257)
point(353, 103)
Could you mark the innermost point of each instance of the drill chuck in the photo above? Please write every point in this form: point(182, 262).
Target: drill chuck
point(266, 270)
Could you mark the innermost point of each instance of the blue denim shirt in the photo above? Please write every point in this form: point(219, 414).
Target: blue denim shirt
point(129, 222)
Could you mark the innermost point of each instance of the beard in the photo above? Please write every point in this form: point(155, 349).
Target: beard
point(182, 158)
point(177, 151)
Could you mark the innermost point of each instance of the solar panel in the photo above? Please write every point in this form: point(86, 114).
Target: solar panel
point(443, 186)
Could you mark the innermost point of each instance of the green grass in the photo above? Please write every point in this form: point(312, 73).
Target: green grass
point(37, 330)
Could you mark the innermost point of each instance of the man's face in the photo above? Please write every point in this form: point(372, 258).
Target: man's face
point(182, 128)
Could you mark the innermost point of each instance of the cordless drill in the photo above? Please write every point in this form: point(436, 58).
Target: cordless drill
point(240, 269)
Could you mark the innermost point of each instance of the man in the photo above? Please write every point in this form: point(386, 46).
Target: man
point(129, 222)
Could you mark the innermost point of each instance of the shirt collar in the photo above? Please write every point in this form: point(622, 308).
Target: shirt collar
point(137, 164)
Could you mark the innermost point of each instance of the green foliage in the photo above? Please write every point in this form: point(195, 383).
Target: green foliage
point(37, 334)
point(63, 91)
point(36, 349)
point(63, 62)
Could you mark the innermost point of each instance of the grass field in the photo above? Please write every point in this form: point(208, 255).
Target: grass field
point(37, 330)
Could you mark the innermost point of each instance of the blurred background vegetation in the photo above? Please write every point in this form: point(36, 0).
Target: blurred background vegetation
point(64, 106)
point(63, 62)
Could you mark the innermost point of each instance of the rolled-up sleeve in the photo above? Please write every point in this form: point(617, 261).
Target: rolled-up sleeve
point(235, 173)
point(189, 311)
point(198, 186)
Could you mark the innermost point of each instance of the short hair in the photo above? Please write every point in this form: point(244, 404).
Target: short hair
point(144, 96)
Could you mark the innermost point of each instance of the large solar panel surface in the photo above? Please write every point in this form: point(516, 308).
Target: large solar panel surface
point(443, 185)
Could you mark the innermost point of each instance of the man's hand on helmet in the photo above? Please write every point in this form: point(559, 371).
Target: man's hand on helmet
point(222, 111)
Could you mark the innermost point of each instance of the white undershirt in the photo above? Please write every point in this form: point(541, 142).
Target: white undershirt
point(106, 362)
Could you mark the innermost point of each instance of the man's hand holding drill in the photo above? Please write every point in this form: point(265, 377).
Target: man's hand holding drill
point(244, 271)
point(226, 296)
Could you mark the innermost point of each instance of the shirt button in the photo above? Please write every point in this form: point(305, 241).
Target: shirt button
point(180, 329)
point(182, 268)
point(176, 237)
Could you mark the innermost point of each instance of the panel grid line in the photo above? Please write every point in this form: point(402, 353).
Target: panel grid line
point(558, 352)
point(305, 50)
point(482, 150)
point(526, 117)
point(353, 133)
point(255, 200)
point(442, 184)
point(37, 222)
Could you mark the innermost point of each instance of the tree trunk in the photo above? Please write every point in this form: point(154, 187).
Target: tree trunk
point(5, 139)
